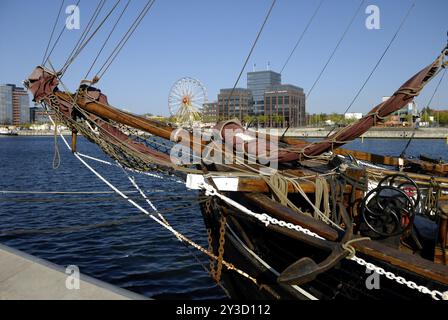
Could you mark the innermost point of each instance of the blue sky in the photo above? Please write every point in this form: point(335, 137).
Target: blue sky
point(209, 40)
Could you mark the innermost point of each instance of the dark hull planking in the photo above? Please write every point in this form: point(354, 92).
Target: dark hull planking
point(264, 253)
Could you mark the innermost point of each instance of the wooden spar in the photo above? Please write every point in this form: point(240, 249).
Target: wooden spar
point(259, 185)
point(108, 112)
point(165, 131)
point(74, 135)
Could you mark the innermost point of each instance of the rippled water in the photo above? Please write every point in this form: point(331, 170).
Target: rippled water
point(105, 236)
point(136, 254)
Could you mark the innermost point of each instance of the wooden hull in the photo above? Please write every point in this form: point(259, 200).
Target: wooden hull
point(264, 253)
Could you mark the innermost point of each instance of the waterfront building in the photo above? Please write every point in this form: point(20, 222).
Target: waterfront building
point(265, 99)
point(38, 115)
point(258, 82)
point(5, 104)
point(14, 105)
point(407, 114)
point(284, 106)
point(236, 104)
point(210, 112)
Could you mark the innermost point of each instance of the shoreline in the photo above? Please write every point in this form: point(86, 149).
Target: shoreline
point(375, 133)
point(312, 133)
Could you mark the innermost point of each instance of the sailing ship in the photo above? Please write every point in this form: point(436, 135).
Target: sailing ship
point(287, 218)
point(307, 230)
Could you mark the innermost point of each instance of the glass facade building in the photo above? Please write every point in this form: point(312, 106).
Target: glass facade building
point(14, 105)
point(6, 104)
point(267, 100)
point(258, 82)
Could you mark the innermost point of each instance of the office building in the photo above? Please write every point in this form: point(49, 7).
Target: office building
point(38, 115)
point(14, 105)
point(5, 104)
point(405, 114)
point(265, 100)
point(284, 106)
point(257, 83)
point(236, 104)
point(209, 112)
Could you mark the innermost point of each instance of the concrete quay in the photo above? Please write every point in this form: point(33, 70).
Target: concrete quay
point(25, 277)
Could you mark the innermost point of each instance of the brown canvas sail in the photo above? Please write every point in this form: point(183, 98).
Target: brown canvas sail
point(405, 94)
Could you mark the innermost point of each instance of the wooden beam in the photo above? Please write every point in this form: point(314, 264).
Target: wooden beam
point(287, 214)
point(412, 263)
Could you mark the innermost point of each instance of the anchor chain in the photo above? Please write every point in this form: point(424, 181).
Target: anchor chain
point(216, 264)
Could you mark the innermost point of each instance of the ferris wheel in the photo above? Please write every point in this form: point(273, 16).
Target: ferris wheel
point(186, 98)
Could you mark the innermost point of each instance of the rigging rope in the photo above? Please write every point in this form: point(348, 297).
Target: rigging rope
point(57, 39)
point(336, 48)
point(83, 45)
point(52, 31)
point(107, 39)
point(377, 64)
point(382, 56)
point(403, 153)
point(183, 239)
point(437, 87)
point(302, 35)
point(251, 50)
point(125, 39)
point(87, 29)
point(266, 219)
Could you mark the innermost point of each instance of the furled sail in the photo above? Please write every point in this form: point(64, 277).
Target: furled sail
point(405, 94)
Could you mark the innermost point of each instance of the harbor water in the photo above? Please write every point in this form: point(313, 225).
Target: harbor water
point(103, 234)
